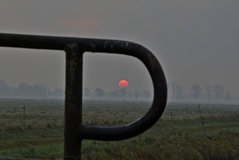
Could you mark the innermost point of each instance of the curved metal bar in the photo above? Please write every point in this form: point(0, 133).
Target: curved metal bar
point(77, 46)
point(159, 101)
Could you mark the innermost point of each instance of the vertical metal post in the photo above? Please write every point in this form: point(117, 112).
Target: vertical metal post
point(75, 132)
point(73, 102)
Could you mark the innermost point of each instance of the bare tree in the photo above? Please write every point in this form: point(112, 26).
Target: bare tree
point(4, 89)
point(176, 91)
point(218, 91)
point(122, 93)
point(86, 92)
point(24, 90)
point(58, 93)
point(196, 91)
point(208, 89)
point(99, 92)
point(137, 94)
point(40, 90)
point(114, 94)
point(227, 96)
point(179, 92)
point(130, 94)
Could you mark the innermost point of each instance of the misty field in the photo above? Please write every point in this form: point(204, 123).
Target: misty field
point(35, 128)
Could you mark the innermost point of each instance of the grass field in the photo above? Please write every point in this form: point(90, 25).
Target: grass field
point(186, 131)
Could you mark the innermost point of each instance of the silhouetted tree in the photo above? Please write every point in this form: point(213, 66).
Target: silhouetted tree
point(227, 96)
point(130, 94)
point(4, 89)
point(58, 93)
point(99, 92)
point(122, 93)
point(12, 91)
point(24, 90)
point(208, 89)
point(114, 94)
point(218, 91)
point(86, 92)
point(137, 94)
point(196, 91)
point(176, 91)
point(40, 90)
point(179, 92)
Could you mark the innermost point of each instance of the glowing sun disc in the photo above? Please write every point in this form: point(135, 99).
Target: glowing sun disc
point(123, 83)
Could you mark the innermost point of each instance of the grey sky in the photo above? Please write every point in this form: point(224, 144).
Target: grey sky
point(196, 41)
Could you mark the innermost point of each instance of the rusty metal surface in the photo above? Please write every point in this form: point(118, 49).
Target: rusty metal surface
point(75, 132)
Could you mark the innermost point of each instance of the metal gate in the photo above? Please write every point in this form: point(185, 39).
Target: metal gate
point(74, 48)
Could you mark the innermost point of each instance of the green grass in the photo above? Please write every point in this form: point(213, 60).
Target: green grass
point(184, 134)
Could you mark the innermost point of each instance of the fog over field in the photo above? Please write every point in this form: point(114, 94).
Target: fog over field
point(195, 41)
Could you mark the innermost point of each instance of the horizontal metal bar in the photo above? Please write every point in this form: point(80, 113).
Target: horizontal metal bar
point(59, 43)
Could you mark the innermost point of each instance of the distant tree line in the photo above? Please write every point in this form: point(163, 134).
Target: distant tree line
point(24, 90)
point(208, 93)
point(121, 93)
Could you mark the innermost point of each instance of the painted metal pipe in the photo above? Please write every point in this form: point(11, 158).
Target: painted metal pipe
point(74, 48)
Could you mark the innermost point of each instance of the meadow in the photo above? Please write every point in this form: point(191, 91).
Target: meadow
point(185, 131)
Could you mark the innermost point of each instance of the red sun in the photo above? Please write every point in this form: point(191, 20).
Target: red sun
point(123, 83)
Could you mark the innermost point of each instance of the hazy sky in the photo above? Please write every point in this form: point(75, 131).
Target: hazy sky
point(196, 41)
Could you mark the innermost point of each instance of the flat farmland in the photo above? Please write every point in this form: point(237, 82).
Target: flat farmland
point(31, 128)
